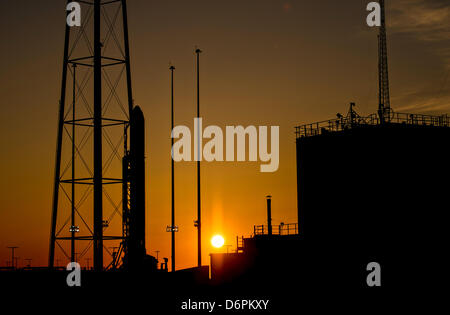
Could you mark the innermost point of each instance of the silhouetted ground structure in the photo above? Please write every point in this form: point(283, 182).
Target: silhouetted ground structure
point(263, 260)
point(373, 191)
point(368, 191)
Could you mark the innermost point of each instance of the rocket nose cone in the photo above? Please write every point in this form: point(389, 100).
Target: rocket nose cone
point(137, 113)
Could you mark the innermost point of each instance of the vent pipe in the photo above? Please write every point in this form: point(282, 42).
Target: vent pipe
point(269, 214)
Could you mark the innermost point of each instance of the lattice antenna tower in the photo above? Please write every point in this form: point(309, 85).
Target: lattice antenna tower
point(384, 109)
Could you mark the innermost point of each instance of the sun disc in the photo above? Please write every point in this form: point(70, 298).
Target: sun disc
point(217, 241)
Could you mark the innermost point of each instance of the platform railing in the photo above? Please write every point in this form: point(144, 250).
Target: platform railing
point(344, 123)
point(281, 229)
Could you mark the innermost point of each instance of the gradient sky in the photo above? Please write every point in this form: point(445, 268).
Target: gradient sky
point(265, 62)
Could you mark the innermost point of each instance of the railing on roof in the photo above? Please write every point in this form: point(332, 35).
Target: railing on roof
point(282, 229)
point(344, 123)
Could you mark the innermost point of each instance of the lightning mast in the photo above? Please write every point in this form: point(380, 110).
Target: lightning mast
point(198, 223)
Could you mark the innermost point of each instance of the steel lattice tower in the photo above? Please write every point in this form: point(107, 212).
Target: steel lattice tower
point(92, 130)
point(384, 102)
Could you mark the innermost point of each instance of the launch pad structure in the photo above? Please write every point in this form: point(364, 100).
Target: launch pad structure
point(100, 137)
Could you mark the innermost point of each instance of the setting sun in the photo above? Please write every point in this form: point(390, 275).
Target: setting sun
point(217, 241)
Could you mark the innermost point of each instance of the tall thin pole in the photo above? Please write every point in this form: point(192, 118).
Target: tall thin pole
point(199, 218)
point(172, 68)
point(72, 228)
point(387, 101)
point(269, 215)
point(380, 96)
point(98, 189)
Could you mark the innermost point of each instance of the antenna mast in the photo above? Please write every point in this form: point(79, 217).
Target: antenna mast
point(384, 102)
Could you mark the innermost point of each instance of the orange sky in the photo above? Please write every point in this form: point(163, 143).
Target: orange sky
point(265, 62)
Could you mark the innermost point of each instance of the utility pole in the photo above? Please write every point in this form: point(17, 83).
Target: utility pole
point(199, 218)
point(172, 228)
point(12, 248)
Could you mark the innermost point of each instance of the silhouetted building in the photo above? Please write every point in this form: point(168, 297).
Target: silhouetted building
point(374, 191)
point(263, 260)
point(268, 255)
